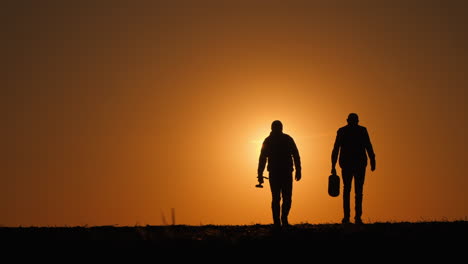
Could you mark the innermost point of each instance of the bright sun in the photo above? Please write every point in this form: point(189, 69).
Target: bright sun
point(255, 145)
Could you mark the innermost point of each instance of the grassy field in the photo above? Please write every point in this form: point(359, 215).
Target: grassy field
point(437, 239)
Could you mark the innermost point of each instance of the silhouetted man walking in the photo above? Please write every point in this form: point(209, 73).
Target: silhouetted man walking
point(282, 155)
point(353, 145)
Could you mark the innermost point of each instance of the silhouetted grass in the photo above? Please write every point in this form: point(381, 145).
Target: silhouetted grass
point(387, 238)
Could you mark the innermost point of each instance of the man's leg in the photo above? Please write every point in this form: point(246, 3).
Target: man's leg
point(275, 188)
point(347, 176)
point(358, 192)
point(286, 190)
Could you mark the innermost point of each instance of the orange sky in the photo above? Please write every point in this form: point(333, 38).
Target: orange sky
point(115, 113)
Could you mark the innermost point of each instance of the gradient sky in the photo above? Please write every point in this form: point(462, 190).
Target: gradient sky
point(115, 112)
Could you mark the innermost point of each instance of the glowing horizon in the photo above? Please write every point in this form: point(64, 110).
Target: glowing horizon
point(115, 114)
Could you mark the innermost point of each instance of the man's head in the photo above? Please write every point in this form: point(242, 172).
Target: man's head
point(353, 119)
point(277, 126)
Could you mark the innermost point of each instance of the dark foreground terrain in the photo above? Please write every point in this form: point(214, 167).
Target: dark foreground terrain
point(421, 240)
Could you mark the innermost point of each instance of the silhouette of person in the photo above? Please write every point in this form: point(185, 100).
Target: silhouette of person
point(280, 152)
point(353, 145)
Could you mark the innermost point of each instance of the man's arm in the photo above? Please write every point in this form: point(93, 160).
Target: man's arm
point(336, 151)
point(296, 159)
point(262, 162)
point(370, 150)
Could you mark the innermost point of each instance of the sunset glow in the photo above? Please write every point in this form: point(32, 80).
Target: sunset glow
point(117, 114)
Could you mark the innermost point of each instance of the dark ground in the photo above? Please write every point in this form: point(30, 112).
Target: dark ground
point(420, 240)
